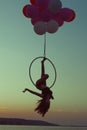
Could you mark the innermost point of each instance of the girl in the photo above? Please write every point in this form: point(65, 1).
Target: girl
point(46, 95)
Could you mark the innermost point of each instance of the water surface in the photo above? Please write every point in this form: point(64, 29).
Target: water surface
point(12, 127)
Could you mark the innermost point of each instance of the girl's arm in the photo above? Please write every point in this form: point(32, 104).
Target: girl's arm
point(42, 68)
point(35, 93)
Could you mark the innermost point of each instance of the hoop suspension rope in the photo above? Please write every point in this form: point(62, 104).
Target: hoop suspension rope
point(44, 56)
point(44, 45)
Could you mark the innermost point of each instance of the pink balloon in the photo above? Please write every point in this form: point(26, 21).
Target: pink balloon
point(34, 20)
point(67, 14)
point(32, 11)
point(59, 19)
point(33, 2)
point(42, 3)
point(40, 28)
point(72, 17)
point(55, 6)
point(25, 11)
point(46, 16)
point(52, 26)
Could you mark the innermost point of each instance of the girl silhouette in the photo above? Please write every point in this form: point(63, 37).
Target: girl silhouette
point(46, 93)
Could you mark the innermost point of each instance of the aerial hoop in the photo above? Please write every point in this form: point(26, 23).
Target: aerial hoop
point(41, 57)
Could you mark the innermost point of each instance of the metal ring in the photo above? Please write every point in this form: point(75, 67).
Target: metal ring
point(50, 63)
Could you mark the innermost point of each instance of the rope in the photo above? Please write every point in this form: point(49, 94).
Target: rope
point(44, 55)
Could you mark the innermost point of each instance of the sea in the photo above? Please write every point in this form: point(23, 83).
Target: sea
point(14, 127)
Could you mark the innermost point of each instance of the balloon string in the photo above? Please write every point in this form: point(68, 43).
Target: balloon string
point(45, 45)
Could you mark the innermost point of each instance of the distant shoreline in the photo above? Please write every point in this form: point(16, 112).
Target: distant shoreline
point(18, 121)
point(72, 126)
point(27, 122)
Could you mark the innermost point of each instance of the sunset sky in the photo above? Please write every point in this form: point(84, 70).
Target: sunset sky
point(67, 49)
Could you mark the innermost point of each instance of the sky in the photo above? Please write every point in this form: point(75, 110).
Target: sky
point(67, 49)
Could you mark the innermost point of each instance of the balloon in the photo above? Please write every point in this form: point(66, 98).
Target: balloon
point(52, 26)
point(32, 11)
point(33, 2)
point(34, 20)
point(40, 28)
point(67, 14)
point(59, 19)
point(25, 11)
point(42, 3)
point(55, 6)
point(72, 17)
point(46, 16)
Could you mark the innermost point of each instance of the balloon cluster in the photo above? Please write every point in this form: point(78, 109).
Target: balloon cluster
point(47, 15)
